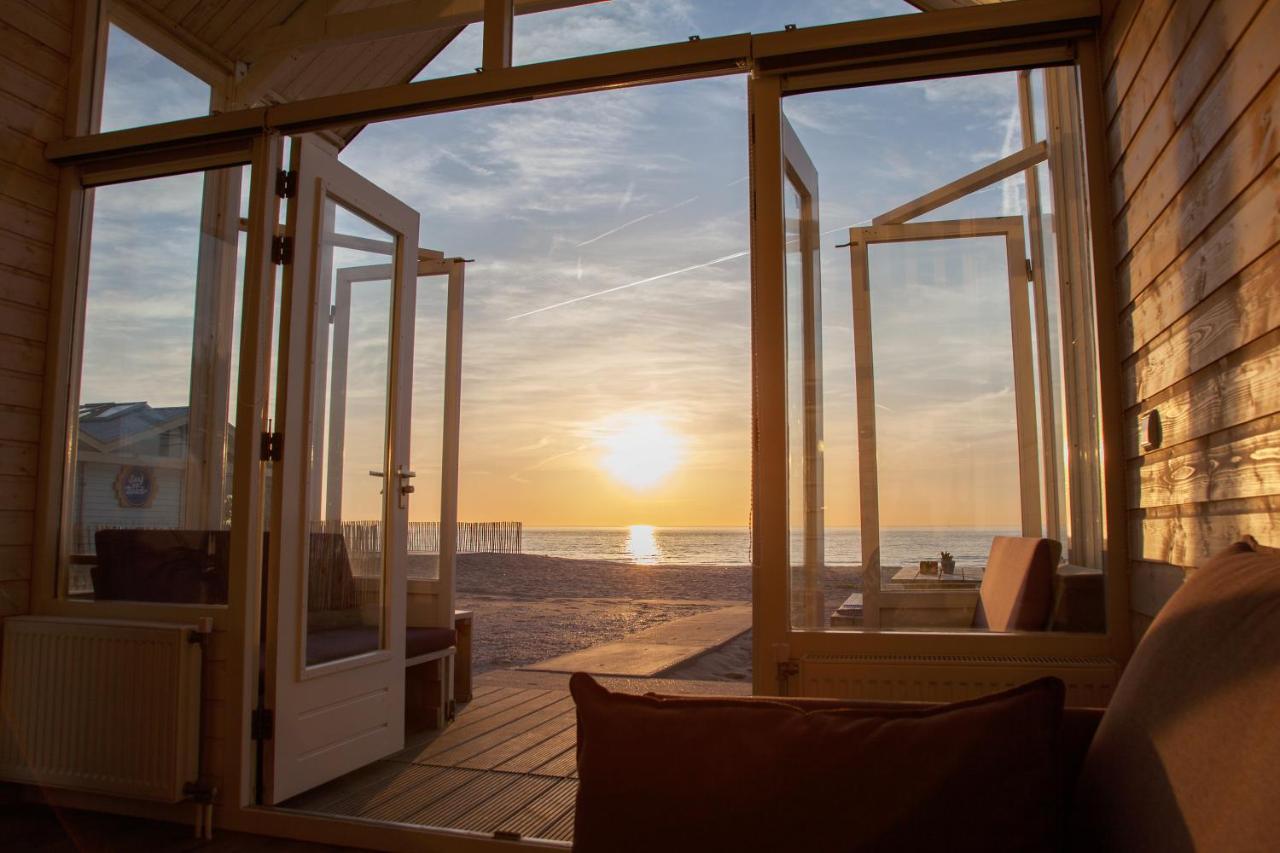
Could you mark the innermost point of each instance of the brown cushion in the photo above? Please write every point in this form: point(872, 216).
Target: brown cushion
point(424, 641)
point(1187, 756)
point(745, 775)
point(339, 643)
point(1017, 585)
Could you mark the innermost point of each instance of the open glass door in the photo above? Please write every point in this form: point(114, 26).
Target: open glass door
point(804, 381)
point(931, 539)
point(981, 265)
point(335, 620)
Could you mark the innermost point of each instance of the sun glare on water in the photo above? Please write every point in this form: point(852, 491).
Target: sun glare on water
point(642, 544)
point(639, 450)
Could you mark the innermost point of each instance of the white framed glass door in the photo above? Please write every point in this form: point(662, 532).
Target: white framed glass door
point(335, 619)
point(874, 534)
point(1009, 418)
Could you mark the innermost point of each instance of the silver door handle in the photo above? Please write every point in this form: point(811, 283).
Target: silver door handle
point(376, 474)
point(405, 487)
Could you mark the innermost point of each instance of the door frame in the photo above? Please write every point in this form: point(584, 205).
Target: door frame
point(778, 649)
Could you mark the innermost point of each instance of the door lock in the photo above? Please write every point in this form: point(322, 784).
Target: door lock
point(406, 487)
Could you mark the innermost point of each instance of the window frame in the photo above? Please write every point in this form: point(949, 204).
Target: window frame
point(818, 71)
point(912, 44)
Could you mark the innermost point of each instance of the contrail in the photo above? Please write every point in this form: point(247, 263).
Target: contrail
point(638, 219)
point(631, 284)
point(665, 274)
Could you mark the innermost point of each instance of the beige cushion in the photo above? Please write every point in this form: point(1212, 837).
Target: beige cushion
point(1017, 585)
point(1187, 756)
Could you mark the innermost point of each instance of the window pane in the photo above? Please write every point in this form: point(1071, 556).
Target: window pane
point(624, 24)
point(426, 439)
point(959, 461)
point(150, 502)
point(349, 439)
point(142, 87)
point(463, 55)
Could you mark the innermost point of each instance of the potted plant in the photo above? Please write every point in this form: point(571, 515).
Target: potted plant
point(948, 563)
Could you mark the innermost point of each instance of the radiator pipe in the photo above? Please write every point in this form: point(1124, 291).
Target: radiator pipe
point(202, 792)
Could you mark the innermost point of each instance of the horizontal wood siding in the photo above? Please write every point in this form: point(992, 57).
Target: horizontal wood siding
point(35, 46)
point(1192, 94)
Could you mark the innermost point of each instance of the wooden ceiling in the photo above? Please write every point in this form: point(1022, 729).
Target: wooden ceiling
point(275, 51)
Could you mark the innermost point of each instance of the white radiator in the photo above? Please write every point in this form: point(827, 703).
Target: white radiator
point(103, 706)
point(942, 678)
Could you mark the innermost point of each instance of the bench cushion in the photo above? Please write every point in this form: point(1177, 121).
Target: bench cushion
point(760, 774)
point(424, 641)
point(1017, 585)
point(339, 643)
point(1187, 756)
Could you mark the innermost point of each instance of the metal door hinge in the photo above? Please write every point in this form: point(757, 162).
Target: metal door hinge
point(271, 448)
point(1030, 272)
point(286, 183)
point(262, 724)
point(282, 250)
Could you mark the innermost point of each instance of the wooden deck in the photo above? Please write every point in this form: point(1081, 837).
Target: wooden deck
point(507, 764)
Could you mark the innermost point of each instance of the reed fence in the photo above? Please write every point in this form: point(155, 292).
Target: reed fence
point(502, 537)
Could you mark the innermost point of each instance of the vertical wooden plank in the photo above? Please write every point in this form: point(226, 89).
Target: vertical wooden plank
point(1024, 378)
point(1050, 440)
point(769, 540)
point(253, 384)
point(499, 22)
point(1077, 297)
point(452, 431)
point(864, 376)
point(1111, 414)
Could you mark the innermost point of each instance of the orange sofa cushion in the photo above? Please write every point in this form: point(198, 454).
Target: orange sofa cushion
point(1187, 756)
point(1017, 585)
point(764, 775)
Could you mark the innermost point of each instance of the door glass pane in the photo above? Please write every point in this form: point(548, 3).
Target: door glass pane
point(426, 435)
point(149, 512)
point(349, 428)
point(946, 439)
point(804, 417)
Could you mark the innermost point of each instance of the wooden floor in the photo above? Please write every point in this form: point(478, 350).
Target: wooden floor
point(27, 826)
point(505, 765)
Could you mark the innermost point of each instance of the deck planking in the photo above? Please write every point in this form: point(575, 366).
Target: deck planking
point(506, 764)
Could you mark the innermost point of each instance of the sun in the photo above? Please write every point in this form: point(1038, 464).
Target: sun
point(639, 450)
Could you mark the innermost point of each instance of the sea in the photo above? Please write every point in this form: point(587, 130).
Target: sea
point(728, 546)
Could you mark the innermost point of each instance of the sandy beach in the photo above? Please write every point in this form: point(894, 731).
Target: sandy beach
point(529, 608)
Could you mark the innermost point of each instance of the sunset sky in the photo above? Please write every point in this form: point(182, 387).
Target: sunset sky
point(607, 310)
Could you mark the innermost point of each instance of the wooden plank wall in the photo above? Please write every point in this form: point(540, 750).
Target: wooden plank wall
point(35, 47)
point(1192, 95)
